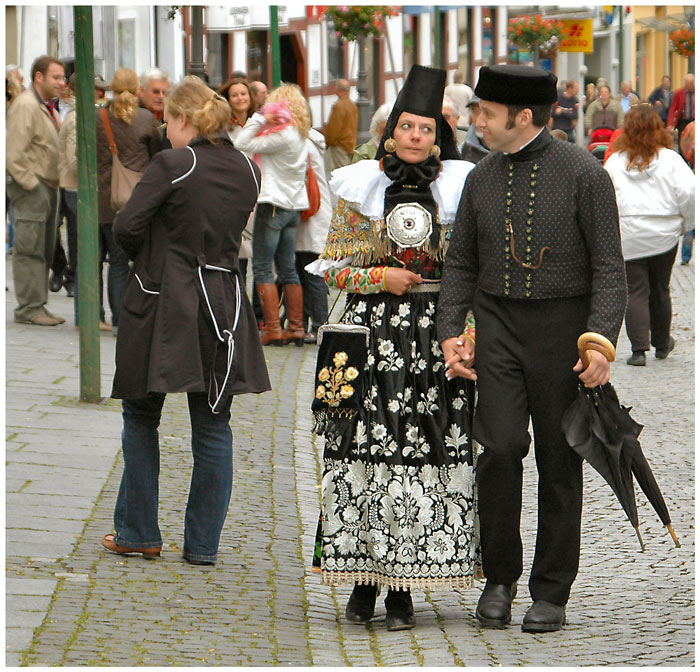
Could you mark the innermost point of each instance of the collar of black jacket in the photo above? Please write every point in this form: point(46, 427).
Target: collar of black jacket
point(533, 149)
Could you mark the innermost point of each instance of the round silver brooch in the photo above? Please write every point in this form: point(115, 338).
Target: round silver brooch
point(409, 224)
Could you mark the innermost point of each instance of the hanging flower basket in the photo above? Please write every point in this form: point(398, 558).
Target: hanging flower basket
point(683, 42)
point(536, 33)
point(361, 21)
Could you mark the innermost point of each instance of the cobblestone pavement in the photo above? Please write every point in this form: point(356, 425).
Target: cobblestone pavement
point(68, 602)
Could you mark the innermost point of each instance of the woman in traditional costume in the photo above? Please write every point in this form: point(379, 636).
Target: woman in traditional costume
point(398, 505)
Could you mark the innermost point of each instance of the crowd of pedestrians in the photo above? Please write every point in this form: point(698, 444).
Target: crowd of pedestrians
point(411, 225)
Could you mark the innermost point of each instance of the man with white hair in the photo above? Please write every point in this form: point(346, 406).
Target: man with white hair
point(626, 98)
point(460, 93)
point(450, 111)
point(154, 85)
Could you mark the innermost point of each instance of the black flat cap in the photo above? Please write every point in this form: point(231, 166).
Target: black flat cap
point(516, 85)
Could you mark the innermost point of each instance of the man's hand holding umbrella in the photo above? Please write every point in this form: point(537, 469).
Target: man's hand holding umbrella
point(597, 372)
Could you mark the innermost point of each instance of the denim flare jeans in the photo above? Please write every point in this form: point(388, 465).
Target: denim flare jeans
point(274, 239)
point(136, 510)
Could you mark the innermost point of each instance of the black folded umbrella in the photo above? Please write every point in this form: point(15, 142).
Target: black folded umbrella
point(603, 433)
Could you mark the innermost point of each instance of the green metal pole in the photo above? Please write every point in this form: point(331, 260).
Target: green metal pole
point(88, 282)
point(621, 49)
point(437, 37)
point(275, 47)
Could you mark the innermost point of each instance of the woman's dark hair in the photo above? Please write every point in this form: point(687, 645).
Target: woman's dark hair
point(643, 135)
point(224, 88)
point(540, 114)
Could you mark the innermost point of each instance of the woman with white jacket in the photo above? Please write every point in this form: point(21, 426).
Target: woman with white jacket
point(311, 240)
point(278, 134)
point(656, 199)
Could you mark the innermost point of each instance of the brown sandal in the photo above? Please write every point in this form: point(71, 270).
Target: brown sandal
point(109, 543)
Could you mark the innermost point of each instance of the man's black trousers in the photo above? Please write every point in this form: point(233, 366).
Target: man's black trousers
point(524, 356)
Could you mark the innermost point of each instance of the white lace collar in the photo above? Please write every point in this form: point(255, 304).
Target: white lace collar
point(364, 184)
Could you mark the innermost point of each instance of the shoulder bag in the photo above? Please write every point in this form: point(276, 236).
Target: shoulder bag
point(313, 192)
point(123, 179)
point(341, 373)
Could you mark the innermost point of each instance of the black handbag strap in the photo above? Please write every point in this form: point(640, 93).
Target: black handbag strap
point(347, 307)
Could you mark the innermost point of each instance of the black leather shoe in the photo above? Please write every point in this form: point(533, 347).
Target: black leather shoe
point(493, 608)
point(69, 286)
point(360, 606)
point(399, 610)
point(55, 282)
point(544, 617)
point(662, 353)
point(638, 358)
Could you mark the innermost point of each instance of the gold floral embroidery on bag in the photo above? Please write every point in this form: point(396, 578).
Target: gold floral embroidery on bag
point(335, 382)
point(340, 374)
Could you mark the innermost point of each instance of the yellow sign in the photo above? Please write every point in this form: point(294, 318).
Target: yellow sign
point(578, 35)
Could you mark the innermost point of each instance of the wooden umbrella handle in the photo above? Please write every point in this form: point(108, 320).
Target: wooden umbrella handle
point(592, 341)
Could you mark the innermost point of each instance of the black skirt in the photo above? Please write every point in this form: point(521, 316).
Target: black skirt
point(398, 490)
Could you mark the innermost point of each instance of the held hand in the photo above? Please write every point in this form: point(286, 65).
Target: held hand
point(459, 358)
point(598, 371)
point(399, 280)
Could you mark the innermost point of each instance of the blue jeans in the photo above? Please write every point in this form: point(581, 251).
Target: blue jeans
point(687, 246)
point(274, 238)
point(117, 273)
point(136, 510)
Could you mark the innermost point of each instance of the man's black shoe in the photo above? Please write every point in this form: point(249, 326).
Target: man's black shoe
point(360, 606)
point(544, 617)
point(55, 282)
point(399, 610)
point(493, 608)
point(662, 353)
point(69, 286)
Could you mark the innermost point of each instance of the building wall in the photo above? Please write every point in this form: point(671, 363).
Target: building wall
point(655, 58)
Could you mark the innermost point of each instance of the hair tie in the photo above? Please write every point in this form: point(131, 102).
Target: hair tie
point(218, 96)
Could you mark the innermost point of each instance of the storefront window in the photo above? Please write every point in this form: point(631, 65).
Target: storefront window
point(217, 58)
point(336, 60)
point(127, 44)
point(257, 56)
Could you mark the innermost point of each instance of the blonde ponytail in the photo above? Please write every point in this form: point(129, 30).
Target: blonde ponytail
point(125, 86)
point(206, 110)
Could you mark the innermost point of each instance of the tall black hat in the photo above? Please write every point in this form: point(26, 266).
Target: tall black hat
point(422, 94)
point(516, 85)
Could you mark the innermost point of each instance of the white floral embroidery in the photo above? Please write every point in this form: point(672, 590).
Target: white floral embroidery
point(440, 547)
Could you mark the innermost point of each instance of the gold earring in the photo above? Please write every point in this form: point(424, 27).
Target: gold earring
point(390, 145)
point(435, 151)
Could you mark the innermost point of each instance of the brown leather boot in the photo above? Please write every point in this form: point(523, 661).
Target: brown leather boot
point(294, 301)
point(269, 297)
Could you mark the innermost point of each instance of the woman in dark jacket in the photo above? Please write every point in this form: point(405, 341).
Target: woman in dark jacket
point(137, 139)
point(187, 325)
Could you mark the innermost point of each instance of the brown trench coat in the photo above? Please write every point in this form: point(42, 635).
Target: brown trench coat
point(189, 210)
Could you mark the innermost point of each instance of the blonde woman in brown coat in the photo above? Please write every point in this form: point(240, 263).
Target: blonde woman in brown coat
point(137, 139)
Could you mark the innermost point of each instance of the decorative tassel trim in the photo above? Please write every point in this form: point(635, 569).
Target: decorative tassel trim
point(332, 578)
point(366, 242)
point(326, 419)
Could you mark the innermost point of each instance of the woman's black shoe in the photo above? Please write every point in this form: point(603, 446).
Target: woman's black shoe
point(399, 610)
point(360, 606)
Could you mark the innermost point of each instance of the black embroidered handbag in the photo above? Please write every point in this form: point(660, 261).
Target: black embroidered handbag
point(340, 373)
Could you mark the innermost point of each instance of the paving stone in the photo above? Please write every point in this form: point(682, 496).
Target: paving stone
point(261, 605)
